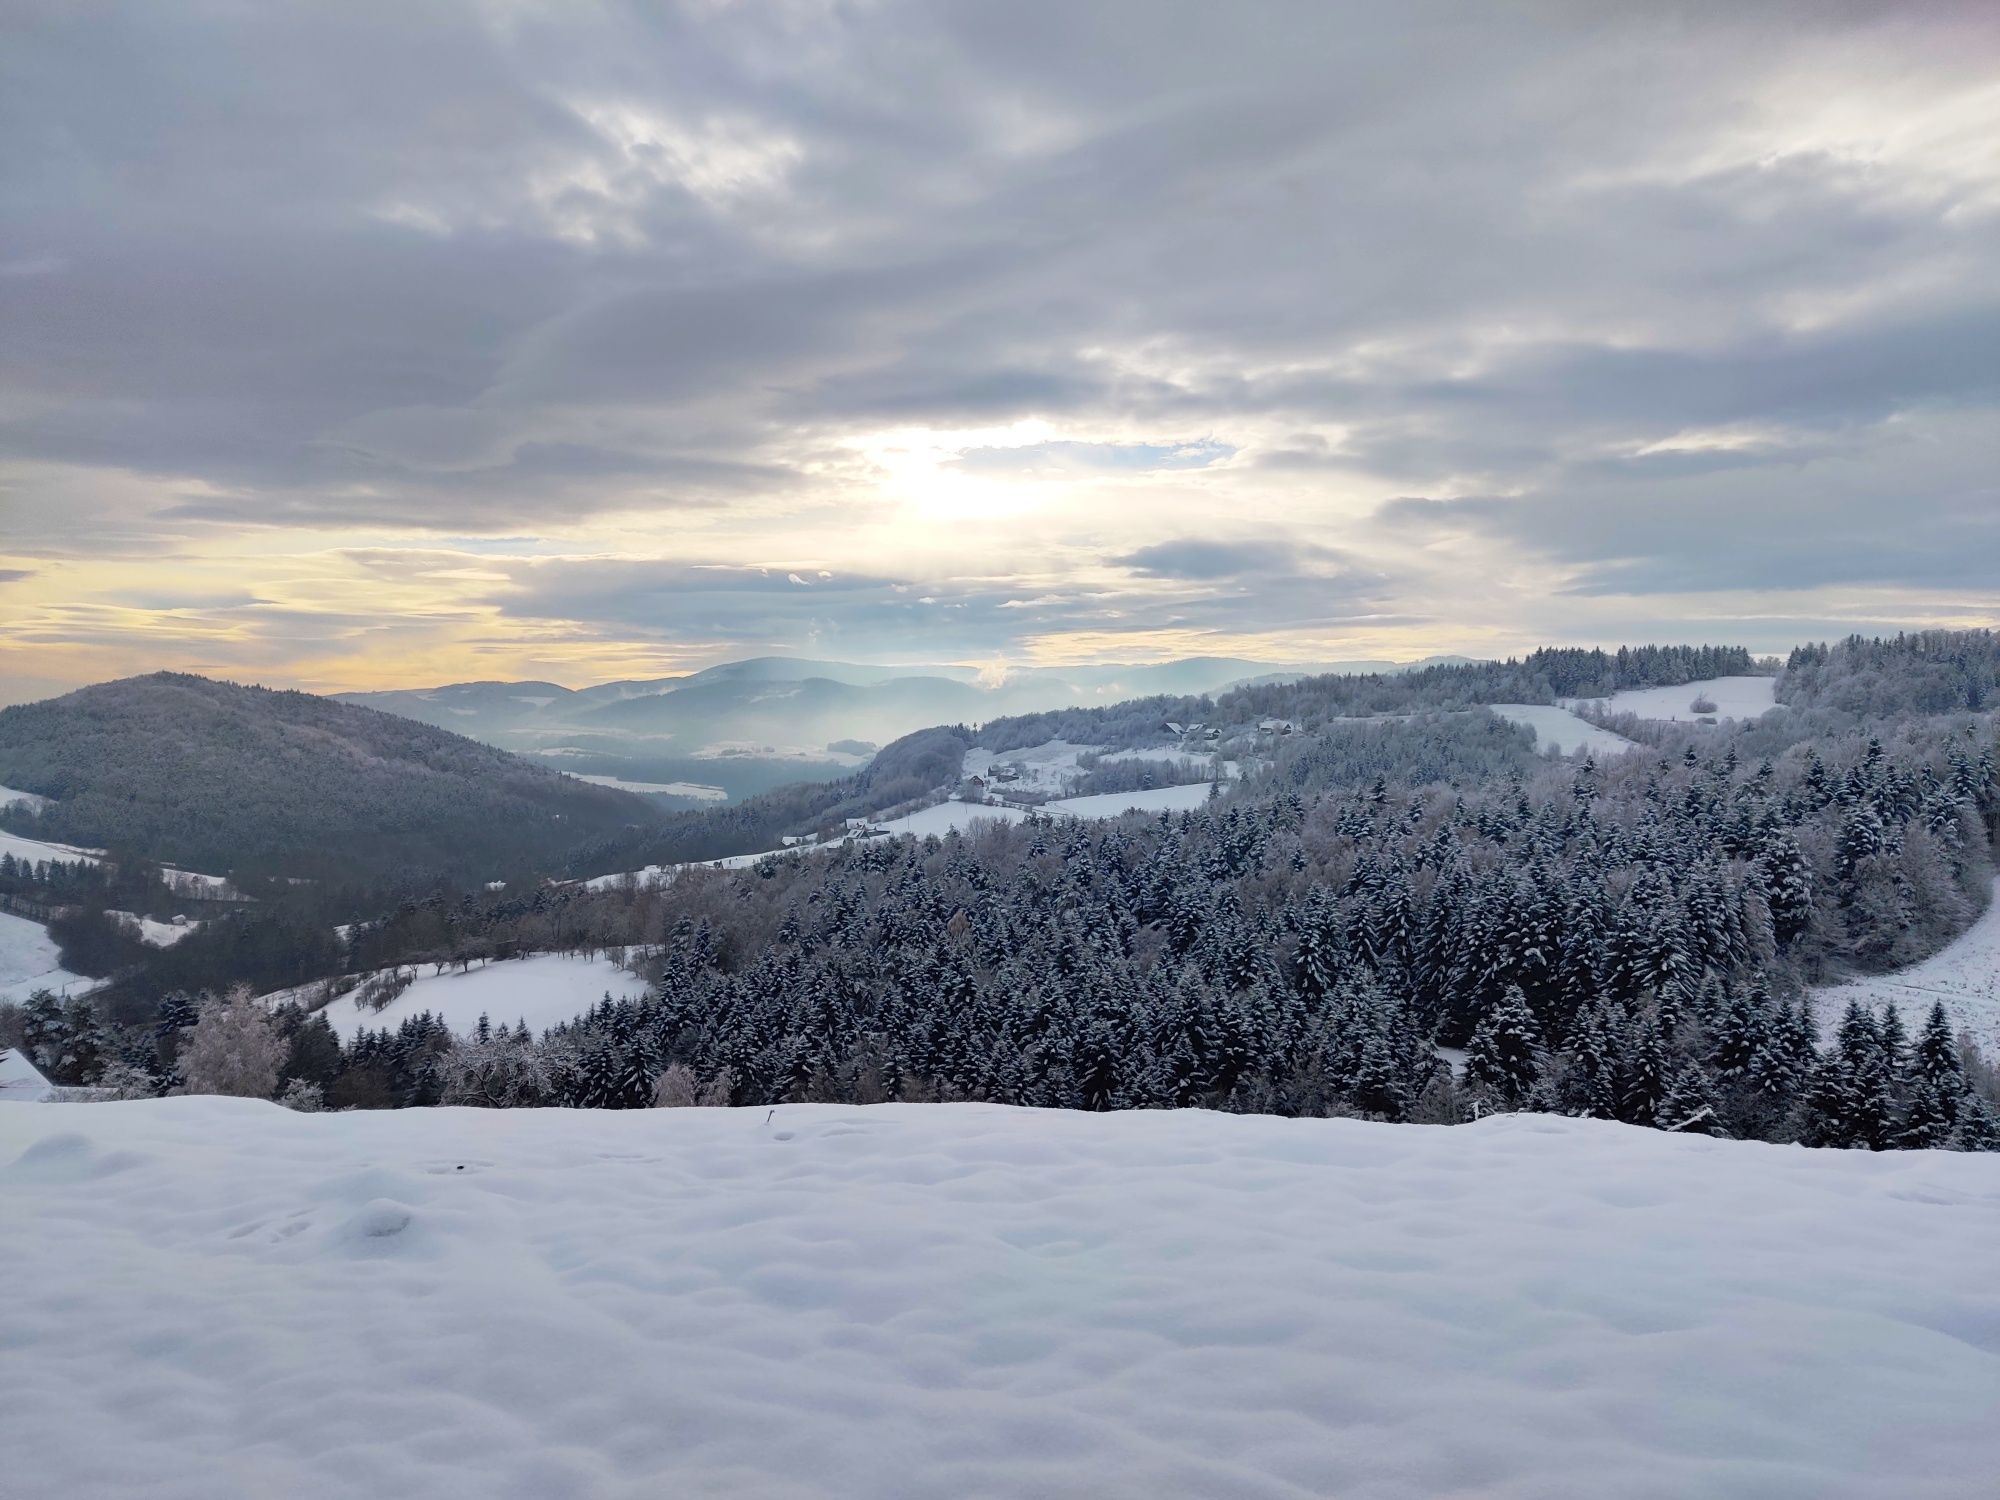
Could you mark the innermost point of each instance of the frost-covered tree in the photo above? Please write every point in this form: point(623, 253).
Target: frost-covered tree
point(306, 1098)
point(675, 1088)
point(233, 1048)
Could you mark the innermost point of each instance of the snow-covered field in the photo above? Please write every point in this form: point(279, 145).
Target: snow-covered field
point(945, 816)
point(152, 931)
point(1733, 697)
point(544, 991)
point(651, 875)
point(194, 883)
point(1112, 804)
point(906, 1302)
point(9, 796)
point(28, 961)
point(1559, 729)
point(34, 851)
point(1965, 977)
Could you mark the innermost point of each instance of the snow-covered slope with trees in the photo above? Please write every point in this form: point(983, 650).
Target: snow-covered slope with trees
point(544, 990)
point(1964, 979)
point(40, 851)
point(230, 1300)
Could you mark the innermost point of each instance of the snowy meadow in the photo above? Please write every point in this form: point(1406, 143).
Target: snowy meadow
point(918, 1301)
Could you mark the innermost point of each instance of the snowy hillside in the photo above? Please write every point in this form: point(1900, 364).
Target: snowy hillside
point(1964, 978)
point(1560, 730)
point(946, 816)
point(544, 991)
point(943, 817)
point(920, 1301)
point(1184, 798)
point(29, 961)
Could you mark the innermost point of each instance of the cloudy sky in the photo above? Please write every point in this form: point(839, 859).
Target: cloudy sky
point(370, 345)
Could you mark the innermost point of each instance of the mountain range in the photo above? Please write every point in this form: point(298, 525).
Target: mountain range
point(745, 726)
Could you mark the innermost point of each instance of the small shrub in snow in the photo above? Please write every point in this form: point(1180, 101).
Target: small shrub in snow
point(306, 1098)
point(123, 1081)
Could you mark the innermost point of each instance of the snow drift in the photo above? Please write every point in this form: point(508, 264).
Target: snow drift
point(214, 1297)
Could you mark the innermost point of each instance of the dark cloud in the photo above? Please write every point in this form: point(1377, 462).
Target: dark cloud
point(479, 268)
point(1916, 509)
point(793, 607)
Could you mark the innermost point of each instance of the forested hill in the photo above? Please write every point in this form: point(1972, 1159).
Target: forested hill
point(1543, 676)
point(1915, 672)
point(247, 781)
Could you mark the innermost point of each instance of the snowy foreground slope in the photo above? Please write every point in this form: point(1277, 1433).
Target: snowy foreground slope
point(216, 1298)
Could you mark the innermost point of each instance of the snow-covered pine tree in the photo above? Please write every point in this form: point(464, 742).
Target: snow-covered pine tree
point(1504, 1057)
point(1688, 1107)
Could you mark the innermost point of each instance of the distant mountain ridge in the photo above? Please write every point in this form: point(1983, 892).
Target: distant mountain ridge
point(226, 778)
point(788, 709)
